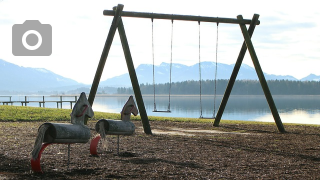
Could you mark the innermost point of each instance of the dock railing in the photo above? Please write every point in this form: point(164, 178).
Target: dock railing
point(42, 100)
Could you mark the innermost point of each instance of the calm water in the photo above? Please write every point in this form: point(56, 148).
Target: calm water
point(292, 109)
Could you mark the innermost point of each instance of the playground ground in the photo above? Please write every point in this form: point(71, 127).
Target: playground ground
point(177, 150)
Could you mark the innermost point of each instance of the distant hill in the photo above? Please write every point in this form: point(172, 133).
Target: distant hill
point(182, 72)
point(311, 77)
point(17, 78)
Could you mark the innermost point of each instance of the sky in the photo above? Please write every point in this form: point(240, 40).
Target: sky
point(287, 41)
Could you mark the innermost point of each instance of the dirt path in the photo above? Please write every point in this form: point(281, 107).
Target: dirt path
point(176, 150)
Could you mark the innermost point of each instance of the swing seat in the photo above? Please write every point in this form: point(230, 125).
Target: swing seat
point(167, 111)
point(201, 117)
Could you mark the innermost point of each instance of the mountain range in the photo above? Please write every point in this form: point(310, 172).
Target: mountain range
point(182, 72)
point(24, 79)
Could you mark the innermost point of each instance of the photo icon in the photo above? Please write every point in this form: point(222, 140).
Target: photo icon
point(31, 39)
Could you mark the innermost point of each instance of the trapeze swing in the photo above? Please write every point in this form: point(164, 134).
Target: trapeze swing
point(154, 84)
point(215, 76)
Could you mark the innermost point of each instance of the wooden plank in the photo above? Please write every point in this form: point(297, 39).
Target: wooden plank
point(179, 17)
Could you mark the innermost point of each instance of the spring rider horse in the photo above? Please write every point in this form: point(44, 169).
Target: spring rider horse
point(115, 127)
point(64, 133)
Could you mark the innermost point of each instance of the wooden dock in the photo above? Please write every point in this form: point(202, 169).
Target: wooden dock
point(60, 100)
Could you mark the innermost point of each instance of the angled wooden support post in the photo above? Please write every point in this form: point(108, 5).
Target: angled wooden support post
point(235, 71)
point(104, 55)
point(117, 23)
point(134, 79)
point(261, 77)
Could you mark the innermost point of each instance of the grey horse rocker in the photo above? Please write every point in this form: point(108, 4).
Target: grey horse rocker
point(66, 133)
point(115, 127)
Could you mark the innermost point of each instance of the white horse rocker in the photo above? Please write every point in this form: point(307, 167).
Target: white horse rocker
point(65, 133)
point(115, 127)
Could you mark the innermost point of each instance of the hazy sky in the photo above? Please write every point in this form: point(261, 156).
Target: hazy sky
point(287, 41)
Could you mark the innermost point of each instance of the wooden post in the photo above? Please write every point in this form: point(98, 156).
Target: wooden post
point(235, 72)
point(134, 79)
point(60, 102)
point(115, 24)
point(104, 55)
point(261, 77)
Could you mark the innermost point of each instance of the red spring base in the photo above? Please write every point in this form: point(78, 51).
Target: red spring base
point(35, 163)
point(94, 145)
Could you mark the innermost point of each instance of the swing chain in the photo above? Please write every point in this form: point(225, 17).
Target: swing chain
point(200, 70)
point(215, 74)
point(154, 86)
point(170, 64)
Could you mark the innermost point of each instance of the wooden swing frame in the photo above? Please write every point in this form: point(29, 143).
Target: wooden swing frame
point(117, 23)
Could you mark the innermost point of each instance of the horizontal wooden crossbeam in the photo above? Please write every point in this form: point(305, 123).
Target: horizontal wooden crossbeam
point(179, 17)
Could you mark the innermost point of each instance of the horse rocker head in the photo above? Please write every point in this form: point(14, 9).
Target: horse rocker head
point(80, 110)
point(128, 108)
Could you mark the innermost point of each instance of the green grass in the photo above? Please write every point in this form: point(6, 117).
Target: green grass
point(23, 113)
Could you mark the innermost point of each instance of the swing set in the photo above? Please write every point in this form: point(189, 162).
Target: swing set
point(117, 23)
point(170, 82)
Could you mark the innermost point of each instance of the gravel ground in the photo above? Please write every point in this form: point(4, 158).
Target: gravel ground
point(176, 150)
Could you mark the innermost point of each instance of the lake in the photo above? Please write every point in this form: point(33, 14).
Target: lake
point(292, 109)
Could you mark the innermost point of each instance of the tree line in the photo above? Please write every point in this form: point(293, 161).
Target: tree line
point(241, 87)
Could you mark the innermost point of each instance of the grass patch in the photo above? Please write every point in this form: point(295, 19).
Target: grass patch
point(25, 113)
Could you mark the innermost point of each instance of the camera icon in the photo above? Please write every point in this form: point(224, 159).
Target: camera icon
point(31, 39)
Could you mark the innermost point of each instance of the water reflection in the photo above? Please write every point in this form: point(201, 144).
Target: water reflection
point(109, 103)
point(297, 109)
point(295, 116)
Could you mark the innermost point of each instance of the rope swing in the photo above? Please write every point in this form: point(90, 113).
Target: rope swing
point(154, 84)
point(215, 75)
